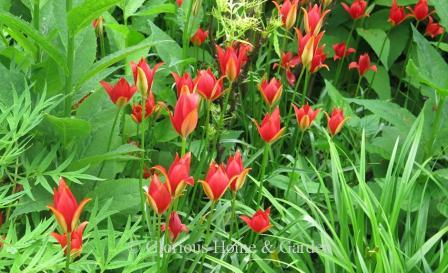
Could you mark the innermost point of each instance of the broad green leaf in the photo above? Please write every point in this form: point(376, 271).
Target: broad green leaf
point(154, 10)
point(84, 14)
point(125, 194)
point(378, 41)
point(68, 129)
point(442, 11)
point(132, 6)
point(85, 52)
point(388, 3)
point(381, 82)
point(22, 26)
point(169, 51)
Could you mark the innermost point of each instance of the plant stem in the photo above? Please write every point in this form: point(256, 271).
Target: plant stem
point(184, 146)
point(69, 250)
point(159, 225)
point(70, 60)
point(235, 223)
point(294, 94)
point(358, 86)
point(341, 63)
point(298, 148)
point(305, 87)
point(102, 46)
point(208, 233)
point(221, 117)
point(262, 173)
point(379, 58)
point(109, 141)
point(435, 127)
point(36, 24)
point(186, 33)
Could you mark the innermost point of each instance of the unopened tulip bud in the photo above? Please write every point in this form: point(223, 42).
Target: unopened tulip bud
point(142, 83)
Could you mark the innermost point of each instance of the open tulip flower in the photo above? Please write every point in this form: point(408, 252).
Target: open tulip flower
point(341, 51)
point(314, 18)
point(158, 195)
point(208, 86)
point(65, 207)
point(305, 115)
point(137, 109)
point(288, 12)
point(216, 182)
point(185, 117)
point(232, 59)
point(433, 29)
point(236, 172)
point(75, 238)
point(363, 65)
point(396, 14)
point(420, 10)
point(175, 226)
point(269, 129)
point(178, 175)
point(357, 9)
point(336, 121)
point(271, 91)
point(318, 60)
point(288, 61)
point(199, 37)
point(121, 93)
point(149, 73)
point(185, 79)
point(307, 46)
point(259, 222)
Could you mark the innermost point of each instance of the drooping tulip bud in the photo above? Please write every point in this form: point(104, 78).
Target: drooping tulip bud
point(259, 222)
point(121, 93)
point(208, 86)
point(313, 19)
point(75, 238)
point(336, 121)
point(396, 14)
point(137, 110)
point(357, 9)
point(288, 12)
point(420, 10)
point(341, 51)
point(269, 129)
point(178, 175)
point(363, 65)
point(236, 171)
point(158, 195)
point(433, 29)
point(65, 207)
point(185, 117)
point(305, 115)
point(270, 91)
point(175, 226)
point(216, 182)
point(181, 81)
point(199, 37)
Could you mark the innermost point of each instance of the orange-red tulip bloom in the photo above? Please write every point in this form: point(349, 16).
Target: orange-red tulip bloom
point(207, 85)
point(259, 222)
point(175, 226)
point(433, 29)
point(314, 18)
point(185, 79)
point(158, 195)
point(199, 37)
point(288, 12)
point(185, 117)
point(232, 59)
point(269, 129)
point(65, 207)
point(149, 73)
point(178, 175)
point(420, 10)
point(216, 182)
point(340, 51)
point(363, 65)
point(336, 121)
point(271, 91)
point(305, 115)
point(236, 171)
point(121, 93)
point(137, 109)
point(75, 238)
point(396, 14)
point(357, 9)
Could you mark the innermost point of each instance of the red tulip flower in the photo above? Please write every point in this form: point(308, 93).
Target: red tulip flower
point(232, 59)
point(98, 24)
point(137, 110)
point(271, 91)
point(259, 222)
point(207, 85)
point(313, 19)
point(149, 73)
point(363, 65)
point(158, 195)
point(65, 207)
point(420, 11)
point(185, 117)
point(185, 79)
point(121, 93)
point(175, 226)
point(179, 3)
point(433, 29)
point(236, 172)
point(178, 175)
point(357, 9)
point(216, 182)
point(199, 37)
point(75, 238)
point(396, 14)
point(288, 12)
point(305, 115)
point(336, 121)
point(269, 129)
point(341, 51)
point(288, 61)
point(307, 45)
point(318, 60)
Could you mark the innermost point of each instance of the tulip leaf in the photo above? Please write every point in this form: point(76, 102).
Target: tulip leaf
point(68, 129)
point(84, 14)
point(124, 193)
point(378, 41)
point(442, 11)
point(154, 10)
point(15, 23)
point(169, 51)
point(381, 82)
